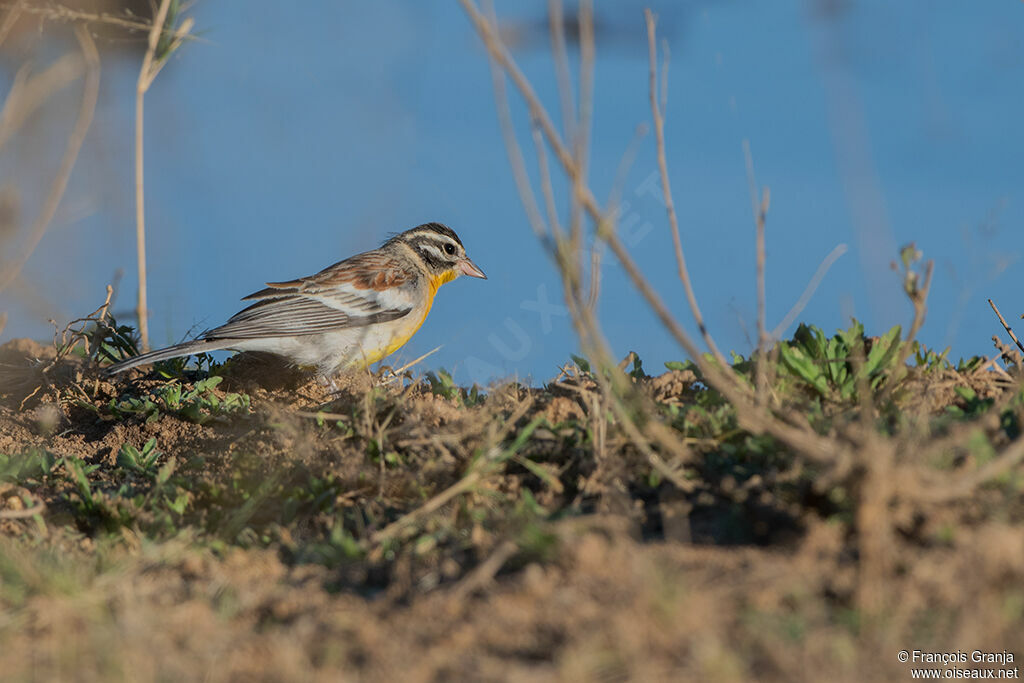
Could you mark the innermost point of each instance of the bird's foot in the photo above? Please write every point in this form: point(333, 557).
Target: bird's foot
point(328, 382)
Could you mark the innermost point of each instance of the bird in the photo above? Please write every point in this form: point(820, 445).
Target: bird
point(346, 317)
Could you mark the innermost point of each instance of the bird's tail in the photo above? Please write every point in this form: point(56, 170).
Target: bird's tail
point(183, 349)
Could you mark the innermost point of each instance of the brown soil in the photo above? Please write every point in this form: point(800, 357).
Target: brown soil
point(617, 578)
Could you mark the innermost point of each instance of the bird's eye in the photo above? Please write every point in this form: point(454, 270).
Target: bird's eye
point(449, 249)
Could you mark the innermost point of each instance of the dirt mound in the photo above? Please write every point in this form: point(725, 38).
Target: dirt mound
point(184, 524)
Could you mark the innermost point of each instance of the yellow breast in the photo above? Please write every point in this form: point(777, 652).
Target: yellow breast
point(406, 327)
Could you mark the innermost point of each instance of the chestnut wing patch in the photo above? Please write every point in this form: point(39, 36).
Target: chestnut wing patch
point(373, 271)
point(363, 290)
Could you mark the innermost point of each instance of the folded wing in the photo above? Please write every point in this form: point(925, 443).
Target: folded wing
point(346, 295)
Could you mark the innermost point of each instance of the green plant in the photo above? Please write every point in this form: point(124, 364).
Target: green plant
point(143, 462)
point(834, 367)
point(32, 464)
point(442, 384)
point(112, 342)
point(198, 404)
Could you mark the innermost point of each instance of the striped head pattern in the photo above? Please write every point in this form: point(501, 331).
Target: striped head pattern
point(440, 250)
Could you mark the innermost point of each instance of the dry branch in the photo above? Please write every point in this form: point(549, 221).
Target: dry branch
point(1005, 325)
point(718, 374)
point(666, 187)
point(152, 63)
point(66, 14)
point(90, 93)
point(27, 94)
point(760, 211)
point(812, 286)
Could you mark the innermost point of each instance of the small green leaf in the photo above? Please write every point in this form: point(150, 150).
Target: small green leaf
point(803, 367)
point(966, 393)
point(582, 363)
point(883, 352)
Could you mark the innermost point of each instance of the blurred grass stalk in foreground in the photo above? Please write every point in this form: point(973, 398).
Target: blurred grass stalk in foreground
point(164, 39)
point(855, 452)
point(27, 95)
point(29, 92)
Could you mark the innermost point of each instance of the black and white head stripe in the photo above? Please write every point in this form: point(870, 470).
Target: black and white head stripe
point(436, 244)
point(427, 229)
point(439, 229)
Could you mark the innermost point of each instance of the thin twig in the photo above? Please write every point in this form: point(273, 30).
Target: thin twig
point(90, 92)
point(556, 25)
point(1005, 326)
point(397, 374)
point(499, 54)
point(322, 415)
point(146, 76)
point(480, 469)
point(718, 375)
point(64, 345)
point(547, 189)
point(11, 18)
point(484, 573)
point(918, 296)
point(961, 432)
point(515, 156)
point(61, 13)
point(993, 364)
point(812, 286)
point(28, 94)
point(580, 137)
point(666, 190)
point(1000, 465)
point(920, 301)
point(435, 503)
point(760, 212)
point(567, 253)
point(151, 66)
point(36, 509)
point(614, 197)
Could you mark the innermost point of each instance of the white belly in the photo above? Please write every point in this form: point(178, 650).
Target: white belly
point(331, 352)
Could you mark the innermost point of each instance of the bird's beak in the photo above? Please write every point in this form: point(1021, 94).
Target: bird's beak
point(467, 267)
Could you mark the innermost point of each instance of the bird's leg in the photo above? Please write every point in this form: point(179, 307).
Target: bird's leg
point(328, 381)
point(386, 375)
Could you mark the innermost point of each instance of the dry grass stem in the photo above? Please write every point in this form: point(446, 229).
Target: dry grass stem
point(36, 509)
point(968, 485)
point(919, 298)
point(760, 212)
point(54, 12)
point(614, 196)
point(719, 374)
point(397, 374)
point(547, 189)
point(666, 189)
point(10, 19)
point(478, 471)
point(485, 572)
point(146, 75)
point(515, 156)
point(812, 286)
point(817, 496)
point(90, 93)
point(1006, 327)
point(28, 93)
point(152, 63)
point(556, 24)
point(464, 484)
point(580, 136)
